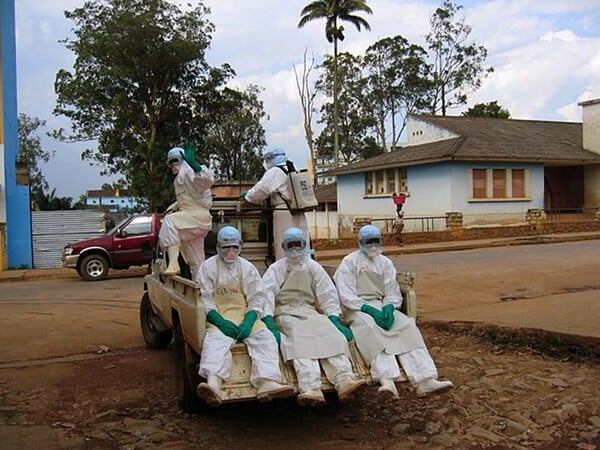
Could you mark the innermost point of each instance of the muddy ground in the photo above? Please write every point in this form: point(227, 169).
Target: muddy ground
point(514, 388)
point(504, 398)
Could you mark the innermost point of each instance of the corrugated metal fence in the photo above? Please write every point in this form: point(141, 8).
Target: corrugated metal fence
point(51, 230)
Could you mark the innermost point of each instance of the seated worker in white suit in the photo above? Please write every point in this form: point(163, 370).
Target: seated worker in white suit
point(190, 223)
point(233, 297)
point(274, 185)
point(307, 322)
point(366, 282)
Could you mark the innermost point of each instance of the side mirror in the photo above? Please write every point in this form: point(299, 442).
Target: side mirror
point(122, 234)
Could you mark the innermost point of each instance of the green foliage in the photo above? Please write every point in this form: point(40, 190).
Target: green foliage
point(334, 11)
point(40, 201)
point(397, 84)
point(457, 64)
point(355, 122)
point(31, 152)
point(140, 86)
point(490, 109)
point(235, 133)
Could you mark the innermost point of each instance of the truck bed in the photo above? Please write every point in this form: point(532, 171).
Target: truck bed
point(176, 308)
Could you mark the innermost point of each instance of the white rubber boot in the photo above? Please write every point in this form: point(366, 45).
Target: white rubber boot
point(312, 397)
point(211, 391)
point(388, 387)
point(431, 385)
point(347, 389)
point(173, 267)
point(268, 390)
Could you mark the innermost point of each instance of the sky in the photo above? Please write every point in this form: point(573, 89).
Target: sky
point(545, 54)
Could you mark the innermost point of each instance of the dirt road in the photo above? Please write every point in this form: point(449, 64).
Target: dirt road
point(60, 388)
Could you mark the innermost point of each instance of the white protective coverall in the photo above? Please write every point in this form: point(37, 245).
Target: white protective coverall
point(188, 226)
point(362, 279)
point(274, 185)
point(295, 291)
point(234, 289)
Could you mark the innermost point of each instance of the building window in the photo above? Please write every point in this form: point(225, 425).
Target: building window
point(499, 184)
point(518, 183)
point(479, 183)
point(385, 182)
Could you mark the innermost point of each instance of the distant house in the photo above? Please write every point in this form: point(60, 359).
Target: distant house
point(492, 171)
point(110, 200)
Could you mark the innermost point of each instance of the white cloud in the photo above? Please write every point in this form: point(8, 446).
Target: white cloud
point(546, 56)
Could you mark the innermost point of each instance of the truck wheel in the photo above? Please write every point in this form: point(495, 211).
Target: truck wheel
point(93, 268)
point(186, 376)
point(154, 339)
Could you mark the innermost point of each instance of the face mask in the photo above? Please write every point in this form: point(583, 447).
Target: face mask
point(372, 250)
point(295, 255)
point(229, 254)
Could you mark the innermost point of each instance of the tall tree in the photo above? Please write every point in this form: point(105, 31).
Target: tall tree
point(398, 84)
point(490, 109)
point(235, 133)
point(139, 76)
point(31, 152)
point(355, 123)
point(457, 64)
point(334, 12)
point(307, 101)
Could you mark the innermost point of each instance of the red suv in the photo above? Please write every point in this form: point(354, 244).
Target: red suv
point(132, 242)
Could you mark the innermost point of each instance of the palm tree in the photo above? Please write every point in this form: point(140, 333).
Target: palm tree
point(334, 11)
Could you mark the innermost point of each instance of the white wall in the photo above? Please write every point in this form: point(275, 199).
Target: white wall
point(591, 125)
point(322, 224)
point(436, 189)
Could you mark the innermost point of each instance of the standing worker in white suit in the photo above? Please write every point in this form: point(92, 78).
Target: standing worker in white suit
point(234, 301)
point(274, 185)
point(366, 282)
point(307, 313)
point(187, 227)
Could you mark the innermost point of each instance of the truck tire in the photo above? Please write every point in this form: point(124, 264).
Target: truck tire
point(186, 376)
point(93, 267)
point(154, 339)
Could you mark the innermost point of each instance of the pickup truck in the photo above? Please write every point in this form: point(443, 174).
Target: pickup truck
point(132, 242)
point(171, 314)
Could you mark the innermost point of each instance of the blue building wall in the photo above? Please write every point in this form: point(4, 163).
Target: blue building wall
point(18, 214)
point(436, 189)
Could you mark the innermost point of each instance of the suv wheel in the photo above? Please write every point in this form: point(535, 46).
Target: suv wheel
point(93, 267)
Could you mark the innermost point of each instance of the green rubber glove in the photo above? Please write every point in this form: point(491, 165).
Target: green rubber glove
point(270, 323)
point(347, 332)
point(226, 326)
point(243, 195)
point(376, 314)
point(189, 156)
point(246, 326)
point(388, 315)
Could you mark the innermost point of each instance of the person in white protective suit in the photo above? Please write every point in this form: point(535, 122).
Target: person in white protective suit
point(233, 298)
point(274, 185)
point(366, 282)
point(299, 288)
point(187, 227)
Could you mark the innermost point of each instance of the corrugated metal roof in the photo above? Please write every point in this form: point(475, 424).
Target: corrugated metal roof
point(51, 230)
